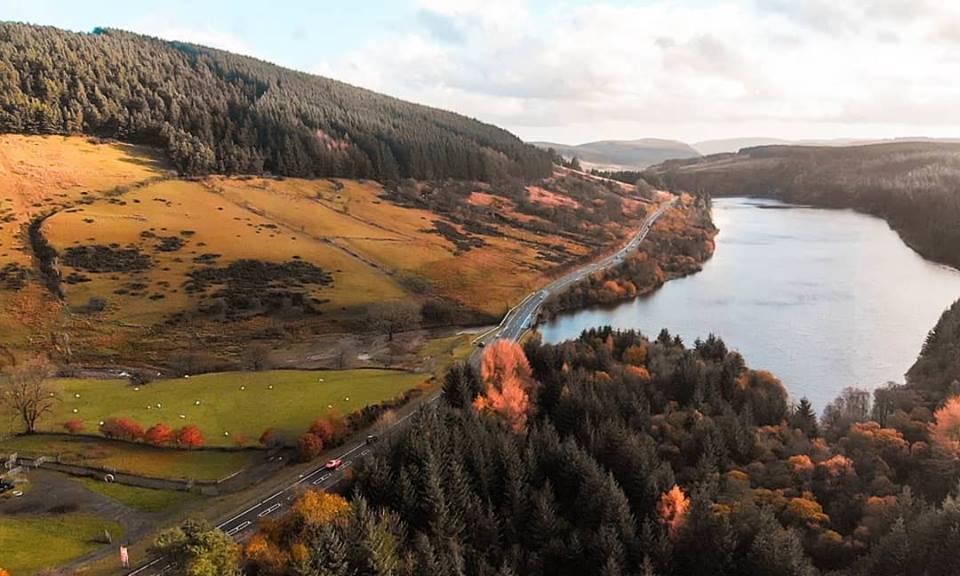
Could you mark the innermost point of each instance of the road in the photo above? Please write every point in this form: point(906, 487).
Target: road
point(517, 321)
point(522, 317)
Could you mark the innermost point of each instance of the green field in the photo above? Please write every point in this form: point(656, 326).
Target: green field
point(230, 407)
point(32, 543)
point(206, 465)
point(144, 499)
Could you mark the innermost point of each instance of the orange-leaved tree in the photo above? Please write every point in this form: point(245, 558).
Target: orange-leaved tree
point(158, 434)
point(672, 508)
point(508, 383)
point(190, 437)
point(945, 430)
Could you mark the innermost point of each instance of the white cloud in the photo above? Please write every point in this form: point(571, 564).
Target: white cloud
point(818, 68)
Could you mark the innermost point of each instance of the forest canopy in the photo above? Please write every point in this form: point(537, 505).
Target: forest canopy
point(213, 111)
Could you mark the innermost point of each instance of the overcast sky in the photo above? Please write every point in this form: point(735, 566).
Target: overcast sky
point(574, 71)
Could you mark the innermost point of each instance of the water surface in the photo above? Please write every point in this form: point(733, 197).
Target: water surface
point(823, 298)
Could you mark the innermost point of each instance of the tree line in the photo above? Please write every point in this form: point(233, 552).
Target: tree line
point(213, 111)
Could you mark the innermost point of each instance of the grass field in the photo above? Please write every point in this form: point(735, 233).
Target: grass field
point(230, 407)
point(206, 465)
point(32, 543)
point(144, 499)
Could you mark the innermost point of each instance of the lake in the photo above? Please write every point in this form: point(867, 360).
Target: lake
point(824, 299)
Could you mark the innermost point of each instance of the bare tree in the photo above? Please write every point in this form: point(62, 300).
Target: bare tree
point(346, 352)
point(393, 316)
point(23, 391)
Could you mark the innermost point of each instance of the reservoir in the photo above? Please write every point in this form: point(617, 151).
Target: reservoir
point(824, 299)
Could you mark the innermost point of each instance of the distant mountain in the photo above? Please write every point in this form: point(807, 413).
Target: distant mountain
point(623, 154)
point(213, 111)
point(719, 146)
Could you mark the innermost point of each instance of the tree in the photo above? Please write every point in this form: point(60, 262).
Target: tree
point(121, 429)
point(23, 391)
point(393, 316)
point(189, 437)
point(309, 446)
point(461, 385)
point(323, 429)
point(508, 382)
point(270, 438)
point(945, 430)
point(159, 434)
point(73, 426)
point(196, 549)
point(672, 509)
point(804, 419)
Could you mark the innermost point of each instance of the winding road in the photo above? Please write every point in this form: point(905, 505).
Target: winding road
point(515, 323)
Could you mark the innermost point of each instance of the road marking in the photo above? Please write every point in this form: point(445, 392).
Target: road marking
point(269, 510)
point(239, 527)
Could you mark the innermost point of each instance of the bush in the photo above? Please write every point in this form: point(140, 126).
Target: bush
point(189, 437)
point(159, 434)
point(121, 429)
point(322, 429)
point(270, 438)
point(73, 426)
point(309, 446)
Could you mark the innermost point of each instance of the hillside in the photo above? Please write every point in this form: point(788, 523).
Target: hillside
point(217, 112)
point(915, 186)
point(107, 256)
point(613, 155)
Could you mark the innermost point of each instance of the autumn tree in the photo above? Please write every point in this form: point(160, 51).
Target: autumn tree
point(158, 434)
point(73, 426)
point(393, 316)
point(323, 429)
point(189, 437)
point(23, 391)
point(945, 430)
point(196, 549)
point(309, 446)
point(270, 438)
point(508, 383)
point(672, 509)
point(121, 429)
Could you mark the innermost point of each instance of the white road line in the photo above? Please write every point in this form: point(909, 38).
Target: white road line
point(269, 510)
point(239, 527)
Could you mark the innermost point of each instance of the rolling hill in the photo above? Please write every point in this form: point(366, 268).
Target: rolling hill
point(622, 154)
point(217, 112)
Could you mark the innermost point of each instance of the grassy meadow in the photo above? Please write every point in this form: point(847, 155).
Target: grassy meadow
point(53, 540)
point(231, 408)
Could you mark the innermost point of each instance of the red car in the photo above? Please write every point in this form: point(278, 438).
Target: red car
point(333, 464)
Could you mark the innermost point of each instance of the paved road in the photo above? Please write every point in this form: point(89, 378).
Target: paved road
point(522, 317)
point(517, 321)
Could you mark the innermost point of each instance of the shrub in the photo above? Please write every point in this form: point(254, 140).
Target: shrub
point(309, 446)
point(73, 426)
point(190, 437)
point(270, 438)
point(159, 434)
point(121, 429)
point(322, 429)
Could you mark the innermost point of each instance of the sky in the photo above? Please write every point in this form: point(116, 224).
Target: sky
point(573, 71)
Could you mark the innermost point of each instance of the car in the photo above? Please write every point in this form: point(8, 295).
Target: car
point(333, 464)
point(5, 485)
point(372, 438)
point(481, 344)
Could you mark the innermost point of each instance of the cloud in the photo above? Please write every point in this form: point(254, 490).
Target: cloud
point(728, 68)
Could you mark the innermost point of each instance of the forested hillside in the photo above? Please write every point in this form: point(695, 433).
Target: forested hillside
point(213, 111)
point(915, 186)
point(615, 454)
